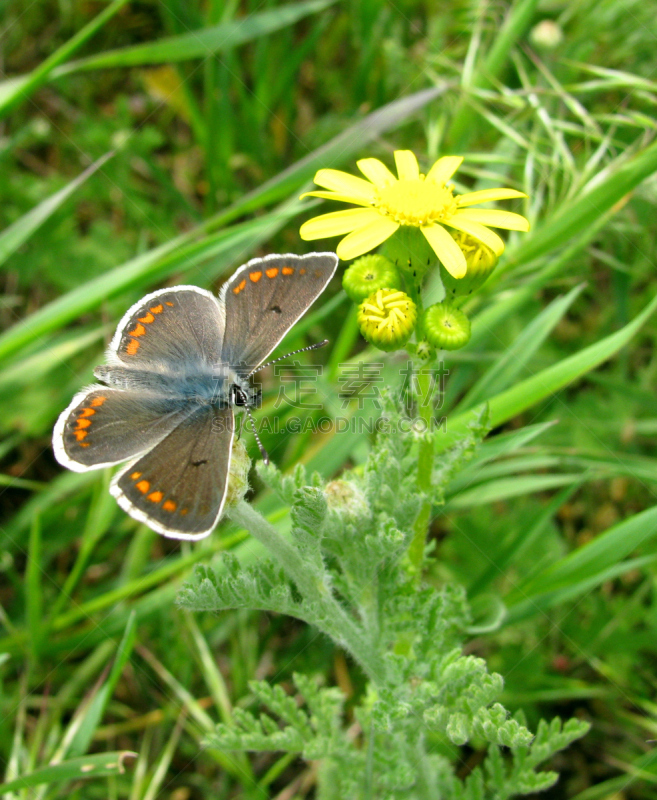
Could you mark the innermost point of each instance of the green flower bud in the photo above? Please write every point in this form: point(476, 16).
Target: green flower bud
point(481, 262)
point(369, 273)
point(446, 327)
point(410, 251)
point(387, 319)
point(238, 474)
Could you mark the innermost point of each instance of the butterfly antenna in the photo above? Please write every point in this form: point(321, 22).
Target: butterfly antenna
point(263, 452)
point(293, 353)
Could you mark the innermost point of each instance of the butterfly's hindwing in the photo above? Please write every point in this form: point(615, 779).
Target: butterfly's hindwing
point(179, 487)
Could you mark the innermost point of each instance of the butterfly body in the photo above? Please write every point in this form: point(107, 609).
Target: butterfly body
point(207, 386)
point(178, 364)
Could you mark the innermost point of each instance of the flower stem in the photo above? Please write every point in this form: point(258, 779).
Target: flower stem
point(424, 473)
point(335, 622)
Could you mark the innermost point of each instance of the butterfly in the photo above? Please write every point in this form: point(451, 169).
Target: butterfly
point(178, 364)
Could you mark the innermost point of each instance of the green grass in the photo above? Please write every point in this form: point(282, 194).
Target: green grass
point(149, 144)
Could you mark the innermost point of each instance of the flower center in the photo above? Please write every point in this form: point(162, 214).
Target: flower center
point(416, 202)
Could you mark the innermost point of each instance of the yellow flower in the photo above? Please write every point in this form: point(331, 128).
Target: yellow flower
point(426, 202)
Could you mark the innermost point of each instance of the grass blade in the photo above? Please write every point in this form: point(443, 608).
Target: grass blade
point(88, 767)
point(21, 230)
point(527, 393)
point(201, 43)
point(94, 711)
point(33, 590)
point(13, 92)
point(521, 542)
point(504, 488)
point(507, 368)
point(514, 28)
point(585, 209)
point(535, 603)
point(593, 558)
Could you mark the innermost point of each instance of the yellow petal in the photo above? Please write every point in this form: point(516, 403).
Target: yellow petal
point(366, 238)
point(337, 223)
point(446, 249)
point(376, 171)
point(444, 168)
point(407, 167)
point(494, 217)
point(472, 198)
point(478, 231)
point(343, 198)
point(344, 183)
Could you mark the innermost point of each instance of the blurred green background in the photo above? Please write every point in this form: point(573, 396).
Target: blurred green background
point(217, 115)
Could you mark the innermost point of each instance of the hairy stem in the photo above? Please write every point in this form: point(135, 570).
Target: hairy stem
point(424, 471)
point(335, 622)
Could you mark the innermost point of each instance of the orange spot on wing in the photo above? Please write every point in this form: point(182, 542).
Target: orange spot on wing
point(239, 287)
point(169, 505)
point(84, 444)
point(138, 331)
point(135, 475)
point(183, 511)
point(87, 412)
point(147, 319)
point(155, 497)
point(98, 401)
point(79, 435)
point(143, 486)
point(288, 270)
point(83, 423)
point(302, 271)
point(169, 304)
point(157, 309)
point(133, 346)
point(255, 276)
point(272, 272)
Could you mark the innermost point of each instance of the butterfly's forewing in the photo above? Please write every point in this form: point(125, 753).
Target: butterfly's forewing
point(170, 330)
point(264, 299)
point(104, 426)
point(178, 488)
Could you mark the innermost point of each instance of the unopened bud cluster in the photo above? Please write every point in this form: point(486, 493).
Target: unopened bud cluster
point(388, 315)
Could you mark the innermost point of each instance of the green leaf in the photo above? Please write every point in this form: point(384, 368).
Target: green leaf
point(335, 152)
point(21, 230)
point(96, 766)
